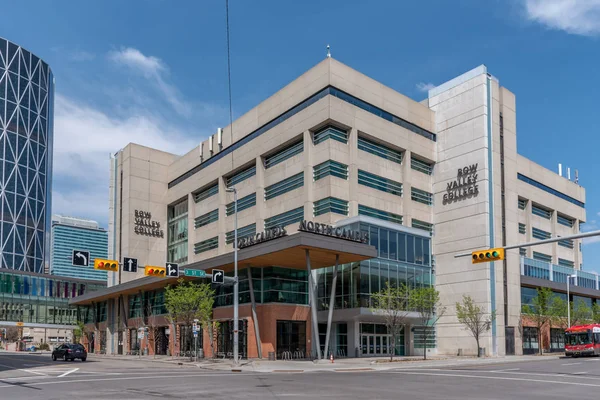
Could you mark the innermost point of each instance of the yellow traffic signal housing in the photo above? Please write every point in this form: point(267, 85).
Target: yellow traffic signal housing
point(106, 265)
point(159, 272)
point(481, 256)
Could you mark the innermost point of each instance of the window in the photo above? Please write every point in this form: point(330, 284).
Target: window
point(523, 252)
point(426, 226)
point(243, 203)
point(545, 188)
point(330, 132)
point(248, 230)
point(530, 340)
point(421, 196)
point(206, 193)
point(568, 243)
point(540, 234)
point(542, 257)
point(286, 218)
point(207, 218)
point(424, 337)
point(206, 245)
point(332, 205)
point(421, 166)
point(283, 154)
point(332, 168)
point(522, 228)
point(379, 150)
point(284, 186)
point(328, 91)
point(375, 213)
point(522, 204)
point(240, 176)
point(565, 263)
point(566, 221)
point(541, 212)
point(377, 182)
point(177, 233)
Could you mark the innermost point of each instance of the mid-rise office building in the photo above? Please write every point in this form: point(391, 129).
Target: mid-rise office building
point(71, 235)
point(26, 132)
point(338, 168)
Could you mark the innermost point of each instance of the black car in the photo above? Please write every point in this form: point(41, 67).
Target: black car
point(69, 352)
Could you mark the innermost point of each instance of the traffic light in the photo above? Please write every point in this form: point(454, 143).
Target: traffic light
point(106, 265)
point(159, 272)
point(481, 256)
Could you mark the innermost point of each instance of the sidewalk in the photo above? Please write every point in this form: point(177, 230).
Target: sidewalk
point(339, 365)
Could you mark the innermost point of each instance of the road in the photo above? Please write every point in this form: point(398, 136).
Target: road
point(24, 376)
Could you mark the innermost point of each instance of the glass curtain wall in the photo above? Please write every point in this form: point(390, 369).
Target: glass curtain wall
point(177, 233)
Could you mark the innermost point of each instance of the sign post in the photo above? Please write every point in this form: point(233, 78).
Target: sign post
point(195, 329)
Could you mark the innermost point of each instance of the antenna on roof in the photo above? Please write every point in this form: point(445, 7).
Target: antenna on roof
point(328, 52)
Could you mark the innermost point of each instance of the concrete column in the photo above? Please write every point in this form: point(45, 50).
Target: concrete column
point(528, 228)
point(308, 176)
point(254, 317)
point(221, 226)
point(313, 305)
point(576, 252)
point(353, 173)
point(553, 220)
point(261, 208)
point(331, 304)
point(406, 188)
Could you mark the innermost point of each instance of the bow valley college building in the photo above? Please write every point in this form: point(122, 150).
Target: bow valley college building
point(343, 185)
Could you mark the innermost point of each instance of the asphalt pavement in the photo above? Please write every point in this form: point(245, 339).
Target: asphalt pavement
point(31, 376)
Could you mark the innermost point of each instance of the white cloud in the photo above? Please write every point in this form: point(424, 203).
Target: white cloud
point(581, 17)
point(156, 71)
point(83, 141)
point(425, 87)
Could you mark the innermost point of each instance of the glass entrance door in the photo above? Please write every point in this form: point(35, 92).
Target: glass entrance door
point(375, 341)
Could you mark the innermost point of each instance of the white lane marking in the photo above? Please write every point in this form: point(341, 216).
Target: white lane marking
point(593, 359)
point(134, 378)
point(31, 372)
point(505, 370)
point(502, 378)
point(571, 364)
point(69, 372)
point(556, 375)
point(579, 373)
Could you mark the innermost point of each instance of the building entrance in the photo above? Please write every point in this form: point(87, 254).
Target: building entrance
point(291, 338)
point(375, 341)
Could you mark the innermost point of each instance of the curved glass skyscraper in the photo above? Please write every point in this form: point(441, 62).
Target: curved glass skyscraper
point(26, 132)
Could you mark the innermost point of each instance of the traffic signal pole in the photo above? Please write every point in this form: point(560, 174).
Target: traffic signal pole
point(539, 242)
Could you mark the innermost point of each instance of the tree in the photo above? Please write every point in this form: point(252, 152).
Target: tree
point(558, 312)
point(539, 311)
point(187, 301)
point(596, 313)
point(78, 332)
point(12, 334)
point(426, 302)
point(581, 313)
point(474, 318)
point(392, 303)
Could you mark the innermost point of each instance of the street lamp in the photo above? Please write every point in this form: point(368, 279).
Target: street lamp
point(569, 299)
point(235, 278)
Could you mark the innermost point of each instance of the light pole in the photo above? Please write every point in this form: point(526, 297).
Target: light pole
point(235, 279)
point(569, 300)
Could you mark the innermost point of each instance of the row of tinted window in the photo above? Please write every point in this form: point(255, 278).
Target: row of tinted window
point(398, 246)
point(284, 219)
point(206, 219)
point(332, 168)
point(330, 205)
point(206, 245)
point(540, 234)
point(248, 230)
point(284, 186)
point(550, 190)
point(242, 204)
point(284, 154)
point(379, 214)
point(379, 183)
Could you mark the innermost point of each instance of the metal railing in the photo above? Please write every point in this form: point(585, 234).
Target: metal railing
point(558, 273)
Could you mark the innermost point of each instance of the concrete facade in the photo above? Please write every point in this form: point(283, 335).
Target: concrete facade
point(461, 141)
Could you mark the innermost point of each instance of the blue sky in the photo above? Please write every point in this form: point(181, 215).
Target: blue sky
point(154, 72)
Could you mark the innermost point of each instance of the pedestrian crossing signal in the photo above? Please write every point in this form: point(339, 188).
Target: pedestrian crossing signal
point(481, 256)
point(106, 265)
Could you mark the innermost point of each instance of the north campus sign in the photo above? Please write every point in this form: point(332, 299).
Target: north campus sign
point(305, 226)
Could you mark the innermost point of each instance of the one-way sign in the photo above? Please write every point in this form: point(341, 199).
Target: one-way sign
point(218, 276)
point(81, 258)
point(172, 270)
point(129, 264)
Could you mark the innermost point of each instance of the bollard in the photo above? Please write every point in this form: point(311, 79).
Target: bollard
point(331, 358)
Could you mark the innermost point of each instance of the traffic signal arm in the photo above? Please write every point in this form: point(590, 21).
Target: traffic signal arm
point(106, 265)
point(481, 256)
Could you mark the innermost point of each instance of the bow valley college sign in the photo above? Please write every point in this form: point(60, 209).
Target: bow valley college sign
point(305, 226)
point(464, 187)
point(144, 225)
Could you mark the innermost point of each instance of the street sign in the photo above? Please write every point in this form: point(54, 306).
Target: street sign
point(218, 276)
point(195, 334)
point(81, 258)
point(172, 270)
point(19, 324)
point(129, 264)
point(140, 334)
point(196, 273)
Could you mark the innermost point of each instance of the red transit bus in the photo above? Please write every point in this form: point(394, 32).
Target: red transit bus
point(582, 340)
